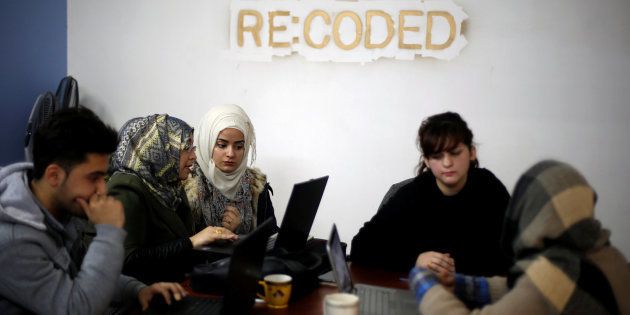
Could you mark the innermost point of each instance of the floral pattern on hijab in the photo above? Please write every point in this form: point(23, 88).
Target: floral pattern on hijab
point(150, 149)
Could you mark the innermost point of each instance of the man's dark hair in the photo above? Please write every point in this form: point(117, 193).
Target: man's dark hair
point(68, 136)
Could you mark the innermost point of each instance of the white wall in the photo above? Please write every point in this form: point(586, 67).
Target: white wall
point(538, 79)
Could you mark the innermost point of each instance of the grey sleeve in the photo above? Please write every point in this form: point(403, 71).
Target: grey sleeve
point(127, 289)
point(43, 285)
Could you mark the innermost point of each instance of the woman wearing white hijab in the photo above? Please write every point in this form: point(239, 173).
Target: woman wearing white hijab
point(223, 190)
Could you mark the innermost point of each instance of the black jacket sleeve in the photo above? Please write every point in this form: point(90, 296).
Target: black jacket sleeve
point(382, 242)
point(164, 262)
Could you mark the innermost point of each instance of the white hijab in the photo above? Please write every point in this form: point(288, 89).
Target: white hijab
point(206, 133)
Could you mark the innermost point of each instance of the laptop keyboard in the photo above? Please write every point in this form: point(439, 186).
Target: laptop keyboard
point(374, 300)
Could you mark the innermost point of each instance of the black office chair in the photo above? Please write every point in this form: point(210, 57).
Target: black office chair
point(46, 104)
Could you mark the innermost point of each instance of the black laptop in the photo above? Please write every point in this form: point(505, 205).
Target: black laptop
point(373, 300)
point(296, 224)
point(245, 270)
point(300, 214)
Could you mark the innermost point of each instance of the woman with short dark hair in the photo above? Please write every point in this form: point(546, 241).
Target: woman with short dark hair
point(450, 213)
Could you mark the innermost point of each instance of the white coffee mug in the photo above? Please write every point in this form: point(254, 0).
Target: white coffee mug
point(341, 304)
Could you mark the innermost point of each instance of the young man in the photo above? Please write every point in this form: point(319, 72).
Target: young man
point(47, 268)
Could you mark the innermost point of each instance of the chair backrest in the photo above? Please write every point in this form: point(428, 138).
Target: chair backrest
point(46, 104)
point(43, 109)
point(67, 93)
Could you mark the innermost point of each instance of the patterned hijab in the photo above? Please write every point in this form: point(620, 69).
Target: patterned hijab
point(213, 122)
point(149, 148)
point(550, 230)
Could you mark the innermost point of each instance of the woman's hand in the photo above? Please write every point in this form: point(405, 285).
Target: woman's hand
point(211, 234)
point(441, 264)
point(231, 218)
point(168, 291)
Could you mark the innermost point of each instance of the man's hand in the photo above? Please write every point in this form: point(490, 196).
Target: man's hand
point(168, 290)
point(231, 218)
point(103, 209)
point(211, 234)
point(441, 264)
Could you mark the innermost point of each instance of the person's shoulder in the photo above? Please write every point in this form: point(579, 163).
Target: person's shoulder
point(404, 185)
point(484, 174)
point(16, 234)
point(15, 169)
point(258, 179)
point(485, 179)
point(129, 185)
point(401, 188)
point(120, 178)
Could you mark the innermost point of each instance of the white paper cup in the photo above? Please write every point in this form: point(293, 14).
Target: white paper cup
point(341, 304)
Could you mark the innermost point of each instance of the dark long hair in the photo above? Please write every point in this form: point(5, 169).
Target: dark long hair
point(443, 132)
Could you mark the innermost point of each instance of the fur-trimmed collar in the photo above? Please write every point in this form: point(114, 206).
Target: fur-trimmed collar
point(195, 184)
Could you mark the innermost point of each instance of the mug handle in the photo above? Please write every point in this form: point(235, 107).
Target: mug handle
point(264, 285)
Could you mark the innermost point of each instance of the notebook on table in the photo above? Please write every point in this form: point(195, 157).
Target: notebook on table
point(296, 224)
point(245, 270)
point(373, 299)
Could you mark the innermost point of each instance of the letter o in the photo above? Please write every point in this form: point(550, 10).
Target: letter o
point(358, 30)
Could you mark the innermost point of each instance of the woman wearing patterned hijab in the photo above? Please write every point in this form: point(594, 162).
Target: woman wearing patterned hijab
point(224, 191)
point(563, 260)
point(154, 155)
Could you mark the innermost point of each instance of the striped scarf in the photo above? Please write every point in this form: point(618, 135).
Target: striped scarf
point(549, 230)
point(149, 148)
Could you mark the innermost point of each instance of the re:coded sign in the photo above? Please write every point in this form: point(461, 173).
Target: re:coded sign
point(359, 31)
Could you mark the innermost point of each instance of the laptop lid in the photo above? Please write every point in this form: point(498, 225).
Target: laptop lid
point(393, 301)
point(337, 257)
point(246, 270)
point(300, 214)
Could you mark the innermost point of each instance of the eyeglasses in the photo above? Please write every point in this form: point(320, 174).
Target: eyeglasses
point(190, 148)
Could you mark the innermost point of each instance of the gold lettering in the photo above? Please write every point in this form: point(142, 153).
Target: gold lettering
point(273, 28)
point(358, 30)
point(402, 28)
point(451, 36)
point(255, 29)
point(368, 25)
point(307, 29)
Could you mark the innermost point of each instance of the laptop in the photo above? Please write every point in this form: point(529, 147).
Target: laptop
point(373, 300)
point(298, 219)
point(245, 270)
point(296, 225)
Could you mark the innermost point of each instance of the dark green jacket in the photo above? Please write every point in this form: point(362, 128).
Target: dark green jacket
point(157, 247)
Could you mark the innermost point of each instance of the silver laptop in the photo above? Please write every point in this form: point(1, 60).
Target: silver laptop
point(373, 299)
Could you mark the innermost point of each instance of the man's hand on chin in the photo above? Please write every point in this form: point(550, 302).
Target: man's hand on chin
point(103, 209)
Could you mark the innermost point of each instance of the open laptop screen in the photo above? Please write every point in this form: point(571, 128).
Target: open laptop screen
point(338, 262)
point(245, 270)
point(300, 214)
